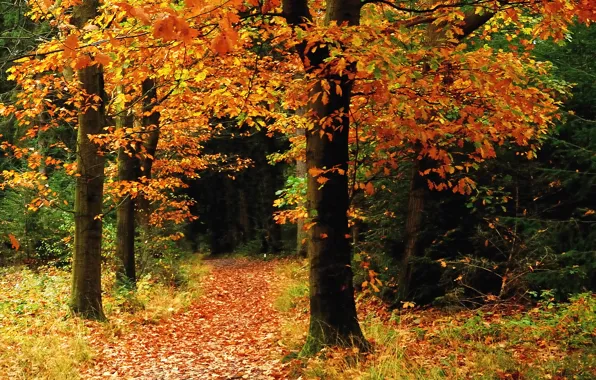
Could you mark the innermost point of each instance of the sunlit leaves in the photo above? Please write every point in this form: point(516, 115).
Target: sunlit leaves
point(71, 44)
point(453, 103)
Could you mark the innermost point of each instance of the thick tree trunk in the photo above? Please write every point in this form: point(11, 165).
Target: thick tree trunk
point(151, 127)
point(128, 165)
point(333, 319)
point(86, 266)
point(413, 226)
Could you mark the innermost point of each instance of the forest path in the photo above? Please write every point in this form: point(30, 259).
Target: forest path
point(231, 332)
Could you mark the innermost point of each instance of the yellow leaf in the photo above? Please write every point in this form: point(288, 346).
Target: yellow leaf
point(202, 75)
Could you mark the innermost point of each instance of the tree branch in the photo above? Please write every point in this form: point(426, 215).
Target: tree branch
point(428, 10)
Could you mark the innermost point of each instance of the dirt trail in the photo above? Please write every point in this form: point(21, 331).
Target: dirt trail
point(230, 333)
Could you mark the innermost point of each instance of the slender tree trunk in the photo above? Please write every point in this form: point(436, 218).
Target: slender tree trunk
point(333, 319)
point(272, 180)
point(128, 165)
point(413, 226)
point(151, 127)
point(301, 235)
point(243, 216)
point(86, 266)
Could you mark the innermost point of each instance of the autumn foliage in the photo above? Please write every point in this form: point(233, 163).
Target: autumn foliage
point(360, 92)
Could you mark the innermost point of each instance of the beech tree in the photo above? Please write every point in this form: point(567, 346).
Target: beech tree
point(432, 35)
point(86, 268)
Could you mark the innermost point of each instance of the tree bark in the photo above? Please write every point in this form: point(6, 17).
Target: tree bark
point(86, 267)
point(413, 227)
point(301, 235)
point(333, 318)
point(151, 127)
point(128, 166)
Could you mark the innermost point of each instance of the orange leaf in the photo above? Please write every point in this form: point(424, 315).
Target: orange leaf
point(322, 180)
point(15, 243)
point(71, 43)
point(141, 15)
point(315, 171)
point(269, 5)
point(102, 59)
point(220, 44)
point(81, 62)
point(370, 189)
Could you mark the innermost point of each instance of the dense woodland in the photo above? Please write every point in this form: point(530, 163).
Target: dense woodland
point(418, 161)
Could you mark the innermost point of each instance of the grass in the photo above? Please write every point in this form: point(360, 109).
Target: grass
point(549, 341)
point(37, 339)
point(40, 340)
point(158, 296)
point(291, 300)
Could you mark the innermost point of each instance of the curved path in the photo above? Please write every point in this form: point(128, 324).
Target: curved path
point(231, 332)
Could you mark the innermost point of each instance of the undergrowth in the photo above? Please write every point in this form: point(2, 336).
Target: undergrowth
point(507, 341)
point(39, 339)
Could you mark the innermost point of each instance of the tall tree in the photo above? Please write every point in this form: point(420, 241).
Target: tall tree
point(436, 37)
point(86, 266)
point(333, 319)
point(409, 56)
point(128, 173)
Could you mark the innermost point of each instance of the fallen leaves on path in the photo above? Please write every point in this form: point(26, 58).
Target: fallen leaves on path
point(232, 332)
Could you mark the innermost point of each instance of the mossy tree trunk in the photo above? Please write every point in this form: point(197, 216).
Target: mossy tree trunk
point(86, 267)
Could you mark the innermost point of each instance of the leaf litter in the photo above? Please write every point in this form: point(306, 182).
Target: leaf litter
point(230, 332)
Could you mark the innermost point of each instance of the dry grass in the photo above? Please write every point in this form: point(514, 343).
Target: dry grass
point(37, 339)
point(40, 340)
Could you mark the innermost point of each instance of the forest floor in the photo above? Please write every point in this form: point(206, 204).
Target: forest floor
point(230, 332)
point(237, 318)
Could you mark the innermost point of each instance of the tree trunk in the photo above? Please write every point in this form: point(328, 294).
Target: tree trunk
point(128, 165)
point(333, 319)
point(436, 37)
point(151, 127)
point(413, 226)
point(86, 266)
